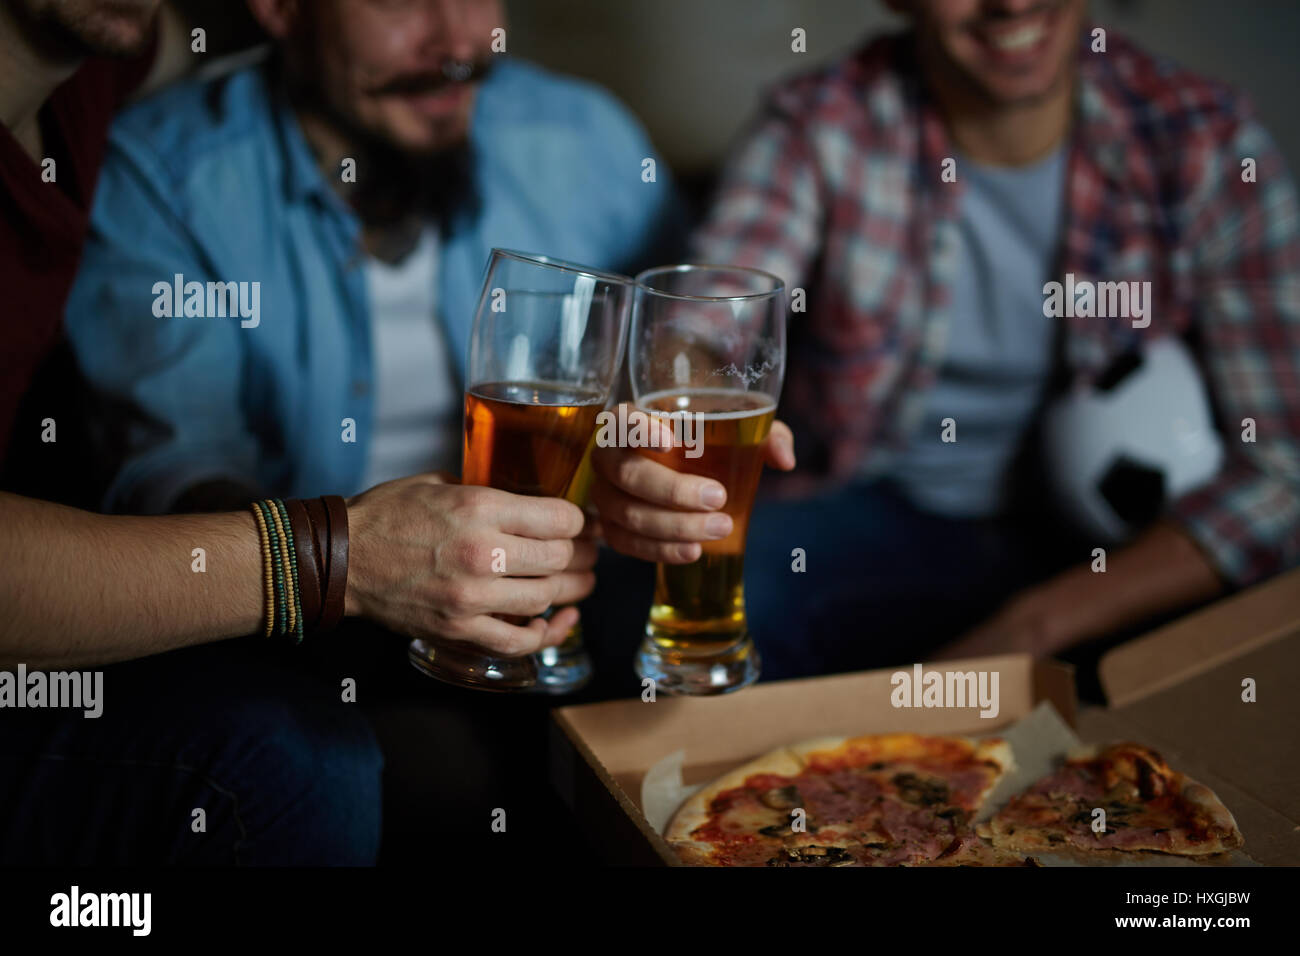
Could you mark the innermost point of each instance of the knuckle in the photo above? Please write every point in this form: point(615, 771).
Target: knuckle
point(459, 597)
point(452, 626)
point(515, 644)
point(636, 520)
point(475, 503)
point(569, 517)
point(685, 494)
point(626, 470)
point(506, 646)
point(561, 554)
point(473, 554)
point(538, 604)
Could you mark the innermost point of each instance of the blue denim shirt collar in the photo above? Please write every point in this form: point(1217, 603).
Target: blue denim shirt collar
point(303, 181)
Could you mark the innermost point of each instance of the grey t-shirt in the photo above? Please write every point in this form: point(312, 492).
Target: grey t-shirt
point(999, 344)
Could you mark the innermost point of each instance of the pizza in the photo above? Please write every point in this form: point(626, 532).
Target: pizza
point(1146, 806)
point(885, 800)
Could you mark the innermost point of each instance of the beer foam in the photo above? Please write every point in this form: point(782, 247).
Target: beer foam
point(694, 393)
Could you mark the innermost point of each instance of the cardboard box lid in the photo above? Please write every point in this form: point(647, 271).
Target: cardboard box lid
point(1180, 690)
point(1202, 641)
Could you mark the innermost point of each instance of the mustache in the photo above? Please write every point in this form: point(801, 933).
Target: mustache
point(450, 73)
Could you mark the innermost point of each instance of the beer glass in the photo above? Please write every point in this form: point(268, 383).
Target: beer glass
point(546, 347)
point(707, 357)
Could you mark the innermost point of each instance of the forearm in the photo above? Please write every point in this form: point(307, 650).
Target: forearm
point(1160, 572)
point(79, 588)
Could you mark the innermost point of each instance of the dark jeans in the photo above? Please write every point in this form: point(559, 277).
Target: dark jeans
point(256, 734)
point(883, 584)
point(284, 771)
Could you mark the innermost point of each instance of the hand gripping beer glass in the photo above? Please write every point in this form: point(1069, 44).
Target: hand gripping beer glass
point(707, 357)
point(546, 346)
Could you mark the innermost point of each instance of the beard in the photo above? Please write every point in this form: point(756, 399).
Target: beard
point(438, 186)
point(82, 28)
point(395, 184)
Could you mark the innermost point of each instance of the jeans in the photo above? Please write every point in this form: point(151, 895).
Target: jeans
point(283, 771)
point(882, 583)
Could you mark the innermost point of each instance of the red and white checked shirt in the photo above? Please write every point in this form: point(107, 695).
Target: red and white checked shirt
point(838, 190)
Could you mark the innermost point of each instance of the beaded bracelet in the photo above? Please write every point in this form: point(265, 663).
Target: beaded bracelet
point(268, 584)
point(304, 562)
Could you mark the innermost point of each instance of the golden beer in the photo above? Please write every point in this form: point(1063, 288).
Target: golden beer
point(528, 438)
point(699, 608)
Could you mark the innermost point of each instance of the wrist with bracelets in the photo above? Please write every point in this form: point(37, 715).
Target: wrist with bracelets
point(304, 563)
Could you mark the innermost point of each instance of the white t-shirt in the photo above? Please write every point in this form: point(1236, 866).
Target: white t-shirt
point(418, 401)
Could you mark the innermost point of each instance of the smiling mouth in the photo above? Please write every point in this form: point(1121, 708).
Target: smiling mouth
point(437, 103)
point(1017, 41)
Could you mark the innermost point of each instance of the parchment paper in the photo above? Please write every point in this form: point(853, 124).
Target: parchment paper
point(1039, 741)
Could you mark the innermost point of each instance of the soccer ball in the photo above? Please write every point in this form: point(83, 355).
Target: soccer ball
point(1119, 452)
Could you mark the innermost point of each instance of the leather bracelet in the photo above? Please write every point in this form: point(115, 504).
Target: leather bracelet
point(310, 591)
point(336, 577)
point(320, 531)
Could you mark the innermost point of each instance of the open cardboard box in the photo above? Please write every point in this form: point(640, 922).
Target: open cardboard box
point(600, 752)
point(1178, 689)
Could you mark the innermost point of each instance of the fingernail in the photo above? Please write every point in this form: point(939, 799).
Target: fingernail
point(713, 496)
point(718, 526)
point(687, 552)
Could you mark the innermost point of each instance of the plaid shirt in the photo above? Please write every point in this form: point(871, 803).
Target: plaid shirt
point(838, 190)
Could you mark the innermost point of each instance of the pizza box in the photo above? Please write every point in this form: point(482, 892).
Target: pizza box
point(1218, 694)
point(602, 752)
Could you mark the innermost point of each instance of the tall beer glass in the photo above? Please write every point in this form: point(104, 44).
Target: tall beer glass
point(707, 356)
point(546, 346)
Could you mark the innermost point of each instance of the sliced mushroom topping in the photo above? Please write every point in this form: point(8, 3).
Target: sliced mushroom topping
point(781, 798)
point(872, 838)
point(822, 855)
point(920, 791)
point(1122, 791)
point(812, 856)
point(1150, 782)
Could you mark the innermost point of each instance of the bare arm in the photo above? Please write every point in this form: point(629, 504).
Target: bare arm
point(80, 588)
point(1163, 570)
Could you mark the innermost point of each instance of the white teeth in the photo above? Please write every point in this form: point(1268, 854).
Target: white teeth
point(1018, 39)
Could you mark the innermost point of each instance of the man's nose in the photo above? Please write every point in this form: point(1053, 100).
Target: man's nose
point(446, 29)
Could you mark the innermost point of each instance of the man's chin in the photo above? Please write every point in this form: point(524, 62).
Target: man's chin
point(124, 31)
point(419, 143)
point(1020, 94)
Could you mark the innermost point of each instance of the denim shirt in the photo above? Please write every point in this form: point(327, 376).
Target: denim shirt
point(215, 182)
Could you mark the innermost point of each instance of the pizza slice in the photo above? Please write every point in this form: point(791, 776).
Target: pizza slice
point(886, 800)
point(1147, 806)
point(747, 818)
point(919, 770)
